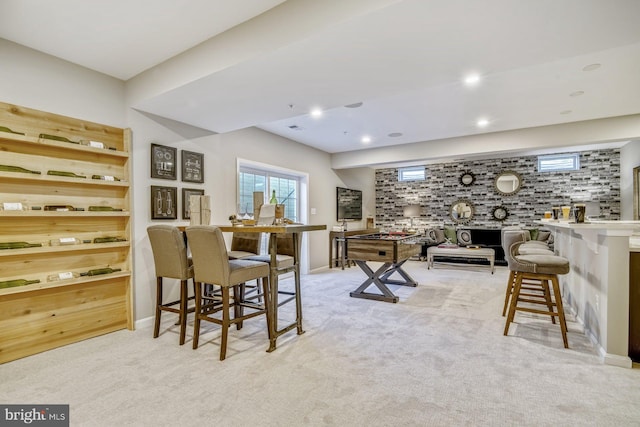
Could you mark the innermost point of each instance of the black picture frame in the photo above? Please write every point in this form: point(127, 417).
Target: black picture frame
point(163, 162)
point(186, 193)
point(192, 166)
point(164, 202)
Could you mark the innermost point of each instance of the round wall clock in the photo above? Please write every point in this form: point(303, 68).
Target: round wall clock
point(467, 178)
point(500, 213)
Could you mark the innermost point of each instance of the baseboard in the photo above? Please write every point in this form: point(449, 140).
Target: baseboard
point(143, 323)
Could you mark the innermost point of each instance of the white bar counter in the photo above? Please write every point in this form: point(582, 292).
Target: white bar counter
point(597, 287)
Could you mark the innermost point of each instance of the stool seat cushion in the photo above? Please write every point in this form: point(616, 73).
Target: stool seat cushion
point(282, 261)
point(527, 249)
point(541, 263)
point(242, 270)
point(240, 254)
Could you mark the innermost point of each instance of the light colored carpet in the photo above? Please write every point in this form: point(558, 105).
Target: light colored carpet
point(436, 358)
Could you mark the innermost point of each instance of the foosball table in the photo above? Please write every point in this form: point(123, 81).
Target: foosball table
point(393, 250)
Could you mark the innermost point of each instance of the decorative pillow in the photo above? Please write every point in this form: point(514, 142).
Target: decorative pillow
point(439, 235)
point(430, 234)
point(534, 234)
point(464, 237)
point(543, 235)
point(450, 233)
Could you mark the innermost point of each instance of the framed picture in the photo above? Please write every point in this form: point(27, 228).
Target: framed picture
point(186, 193)
point(164, 202)
point(192, 166)
point(163, 162)
point(636, 193)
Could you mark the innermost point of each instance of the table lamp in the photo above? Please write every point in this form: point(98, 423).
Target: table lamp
point(411, 211)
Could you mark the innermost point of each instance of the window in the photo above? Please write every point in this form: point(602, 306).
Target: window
point(252, 179)
point(559, 162)
point(414, 173)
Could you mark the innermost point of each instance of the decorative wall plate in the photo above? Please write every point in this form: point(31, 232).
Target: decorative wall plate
point(500, 213)
point(467, 178)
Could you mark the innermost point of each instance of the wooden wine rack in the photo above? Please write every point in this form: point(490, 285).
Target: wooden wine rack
point(49, 314)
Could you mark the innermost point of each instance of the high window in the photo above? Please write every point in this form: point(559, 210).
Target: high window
point(413, 173)
point(559, 162)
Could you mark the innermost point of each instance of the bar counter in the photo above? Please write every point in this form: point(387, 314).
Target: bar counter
point(597, 287)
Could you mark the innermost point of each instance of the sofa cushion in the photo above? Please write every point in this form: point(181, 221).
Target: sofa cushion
point(450, 233)
point(435, 236)
point(464, 237)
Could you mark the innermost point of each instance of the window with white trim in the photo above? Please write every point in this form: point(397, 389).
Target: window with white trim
point(413, 173)
point(287, 187)
point(559, 162)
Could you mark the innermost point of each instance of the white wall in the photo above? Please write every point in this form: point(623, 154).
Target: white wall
point(629, 159)
point(35, 80)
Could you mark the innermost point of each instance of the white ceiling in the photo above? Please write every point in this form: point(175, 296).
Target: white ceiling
point(403, 59)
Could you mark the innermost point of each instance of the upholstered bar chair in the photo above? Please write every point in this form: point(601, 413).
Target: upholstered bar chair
point(212, 266)
point(171, 261)
point(244, 245)
point(545, 269)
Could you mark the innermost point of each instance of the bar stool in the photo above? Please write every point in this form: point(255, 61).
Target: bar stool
point(539, 267)
point(171, 261)
point(509, 237)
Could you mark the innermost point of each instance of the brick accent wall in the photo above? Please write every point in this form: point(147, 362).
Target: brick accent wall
point(597, 180)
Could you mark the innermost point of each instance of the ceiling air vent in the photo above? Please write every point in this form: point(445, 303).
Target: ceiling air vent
point(295, 127)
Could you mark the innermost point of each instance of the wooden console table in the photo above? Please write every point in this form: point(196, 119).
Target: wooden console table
point(338, 240)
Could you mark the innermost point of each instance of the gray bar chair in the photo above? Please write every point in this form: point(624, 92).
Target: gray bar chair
point(543, 268)
point(212, 266)
point(171, 261)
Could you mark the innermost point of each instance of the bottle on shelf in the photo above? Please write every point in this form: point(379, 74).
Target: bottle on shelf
point(19, 245)
point(57, 138)
point(108, 239)
point(105, 177)
point(63, 276)
point(17, 282)
point(103, 209)
point(273, 200)
point(65, 241)
point(65, 173)
point(99, 271)
point(6, 129)
point(61, 208)
point(9, 168)
point(12, 206)
point(96, 144)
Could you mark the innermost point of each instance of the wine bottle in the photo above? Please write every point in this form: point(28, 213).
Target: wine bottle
point(57, 138)
point(19, 245)
point(6, 129)
point(8, 168)
point(17, 282)
point(99, 271)
point(274, 200)
point(61, 208)
point(65, 173)
point(63, 276)
point(65, 241)
point(108, 239)
point(105, 177)
point(103, 209)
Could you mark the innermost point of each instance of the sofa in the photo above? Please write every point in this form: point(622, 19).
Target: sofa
point(484, 237)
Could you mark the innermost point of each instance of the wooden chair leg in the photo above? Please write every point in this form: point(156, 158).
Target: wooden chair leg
point(225, 322)
point(514, 302)
point(508, 291)
point(156, 327)
point(196, 323)
point(265, 292)
point(239, 292)
point(547, 297)
point(559, 306)
point(184, 298)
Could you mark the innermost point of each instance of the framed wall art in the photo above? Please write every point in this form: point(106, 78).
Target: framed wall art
point(163, 162)
point(192, 166)
point(186, 194)
point(164, 202)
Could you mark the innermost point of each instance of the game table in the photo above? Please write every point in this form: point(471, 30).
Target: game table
point(393, 250)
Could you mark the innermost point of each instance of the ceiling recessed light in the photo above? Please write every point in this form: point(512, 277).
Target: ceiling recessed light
point(365, 139)
point(472, 79)
point(356, 105)
point(576, 93)
point(566, 112)
point(395, 134)
point(482, 123)
point(591, 67)
point(316, 112)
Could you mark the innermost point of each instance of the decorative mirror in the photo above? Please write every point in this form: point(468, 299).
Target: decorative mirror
point(500, 213)
point(508, 183)
point(467, 178)
point(462, 211)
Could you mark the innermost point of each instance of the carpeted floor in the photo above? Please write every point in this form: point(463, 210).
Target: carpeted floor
point(436, 358)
